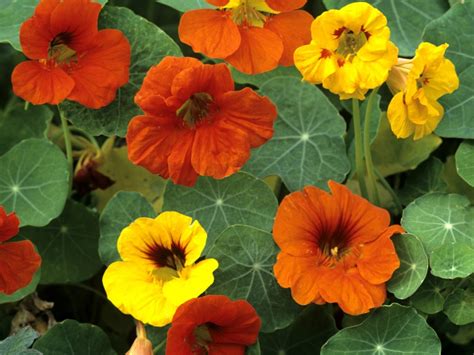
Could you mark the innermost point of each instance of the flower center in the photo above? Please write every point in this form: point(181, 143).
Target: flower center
point(173, 257)
point(59, 51)
point(334, 244)
point(202, 336)
point(195, 109)
point(350, 43)
point(247, 13)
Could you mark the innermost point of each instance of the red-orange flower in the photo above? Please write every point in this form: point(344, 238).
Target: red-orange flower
point(18, 260)
point(70, 58)
point(254, 36)
point(213, 325)
point(334, 248)
point(195, 123)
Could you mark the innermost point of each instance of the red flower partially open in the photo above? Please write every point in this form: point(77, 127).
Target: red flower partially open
point(70, 58)
point(195, 123)
point(254, 36)
point(18, 260)
point(335, 248)
point(213, 325)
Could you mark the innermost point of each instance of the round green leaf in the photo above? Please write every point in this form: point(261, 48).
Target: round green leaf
point(459, 306)
point(72, 337)
point(19, 343)
point(187, 5)
point(431, 295)
point(68, 245)
point(34, 181)
point(389, 330)
point(218, 204)
point(22, 292)
point(437, 219)
point(246, 257)
point(307, 146)
point(17, 124)
point(465, 161)
point(406, 19)
point(413, 266)
point(122, 209)
point(457, 121)
point(310, 330)
point(149, 45)
point(452, 260)
point(261, 79)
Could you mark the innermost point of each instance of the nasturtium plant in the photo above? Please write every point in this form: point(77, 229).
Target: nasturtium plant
point(236, 176)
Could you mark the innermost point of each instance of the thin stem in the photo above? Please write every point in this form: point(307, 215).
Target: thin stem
point(390, 190)
point(68, 144)
point(369, 164)
point(92, 290)
point(359, 147)
point(90, 137)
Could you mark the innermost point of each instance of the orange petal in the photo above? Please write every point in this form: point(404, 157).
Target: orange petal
point(378, 260)
point(102, 70)
point(249, 111)
point(260, 51)
point(9, 225)
point(41, 84)
point(210, 32)
point(294, 29)
point(179, 161)
point(159, 78)
point(212, 79)
point(219, 149)
point(35, 38)
point(285, 5)
point(18, 263)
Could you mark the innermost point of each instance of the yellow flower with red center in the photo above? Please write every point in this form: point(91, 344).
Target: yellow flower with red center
point(350, 52)
point(158, 271)
point(417, 85)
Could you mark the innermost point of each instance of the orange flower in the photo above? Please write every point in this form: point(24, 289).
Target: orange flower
point(254, 36)
point(195, 123)
point(334, 248)
point(70, 58)
point(18, 260)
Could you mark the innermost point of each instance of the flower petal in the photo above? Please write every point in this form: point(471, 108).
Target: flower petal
point(210, 32)
point(315, 63)
point(260, 51)
point(285, 5)
point(181, 169)
point(41, 84)
point(9, 225)
point(35, 37)
point(397, 115)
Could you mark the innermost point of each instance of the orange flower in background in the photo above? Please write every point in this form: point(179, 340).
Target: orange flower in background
point(254, 36)
point(335, 248)
point(18, 260)
point(213, 325)
point(69, 57)
point(195, 123)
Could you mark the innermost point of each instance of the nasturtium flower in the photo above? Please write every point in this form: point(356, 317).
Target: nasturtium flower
point(69, 57)
point(335, 248)
point(195, 123)
point(159, 269)
point(254, 36)
point(417, 85)
point(350, 51)
point(18, 260)
point(213, 325)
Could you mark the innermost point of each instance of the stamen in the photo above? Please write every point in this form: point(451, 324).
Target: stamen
point(195, 109)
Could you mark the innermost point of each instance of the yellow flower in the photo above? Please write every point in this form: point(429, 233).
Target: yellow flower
point(417, 85)
point(159, 270)
point(350, 51)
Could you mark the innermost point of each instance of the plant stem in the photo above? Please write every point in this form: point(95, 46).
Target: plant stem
point(390, 190)
point(68, 145)
point(369, 164)
point(359, 147)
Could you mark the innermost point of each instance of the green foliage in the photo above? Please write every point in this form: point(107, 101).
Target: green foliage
point(68, 245)
point(187, 5)
point(459, 307)
point(389, 330)
point(413, 266)
point(122, 209)
point(71, 337)
point(19, 343)
point(246, 256)
point(431, 296)
point(149, 45)
point(218, 204)
point(34, 181)
point(307, 146)
point(465, 161)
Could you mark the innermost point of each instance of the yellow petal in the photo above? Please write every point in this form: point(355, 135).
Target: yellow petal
point(311, 64)
point(398, 117)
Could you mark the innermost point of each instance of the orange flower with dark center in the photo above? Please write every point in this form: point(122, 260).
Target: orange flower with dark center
point(213, 325)
point(70, 58)
point(195, 123)
point(254, 36)
point(335, 248)
point(18, 260)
